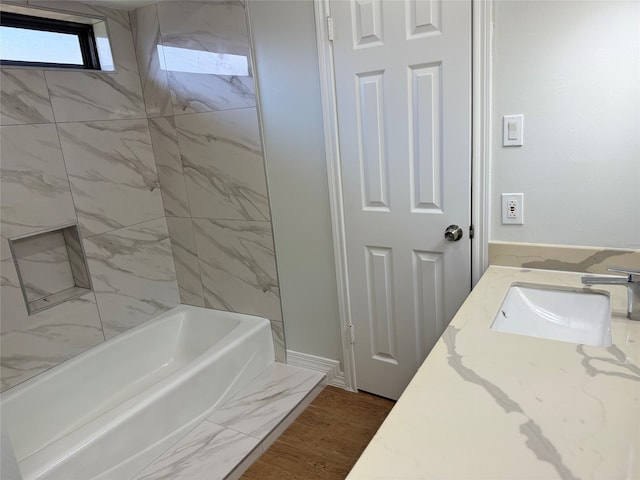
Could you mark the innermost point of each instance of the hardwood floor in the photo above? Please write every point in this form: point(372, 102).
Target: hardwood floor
point(326, 439)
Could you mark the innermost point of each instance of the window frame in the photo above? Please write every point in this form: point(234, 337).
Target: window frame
point(83, 31)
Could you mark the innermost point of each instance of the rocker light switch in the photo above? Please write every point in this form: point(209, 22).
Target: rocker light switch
point(512, 134)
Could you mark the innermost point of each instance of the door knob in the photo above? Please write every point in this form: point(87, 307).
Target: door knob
point(453, 233)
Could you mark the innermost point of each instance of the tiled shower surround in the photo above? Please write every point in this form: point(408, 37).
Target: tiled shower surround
point(166, 183)
point(206, 138)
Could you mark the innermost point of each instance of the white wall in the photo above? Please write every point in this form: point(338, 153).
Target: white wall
point(288, 81)
point(573, 69)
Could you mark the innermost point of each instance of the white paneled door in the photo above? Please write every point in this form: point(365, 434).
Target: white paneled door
point(403, 86)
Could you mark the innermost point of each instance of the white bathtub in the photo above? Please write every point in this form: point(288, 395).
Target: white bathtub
point(109, 412)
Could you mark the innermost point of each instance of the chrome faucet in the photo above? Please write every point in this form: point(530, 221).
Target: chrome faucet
point(631, 281)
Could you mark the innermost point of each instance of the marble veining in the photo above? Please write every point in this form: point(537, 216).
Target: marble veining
point(133, 274)
point(94, 96)
point(561, 257)
point(279, 343)
point(264, 407)
point(257, 410)
point(535, 439)
point(218, 27)
point(197, 93)
point(223, 165)
point(112, 173)
point(155, 84)
point(32, 350)
point(455, 361)
point(616, 358)
point(515, 407)
point(209, 451)
point(586, 265)
point(544, 449)
point(212, 27)
point(183, 244)
point(170, 174)
point(35, 193)
point(24, 97)
point(30, 345)
point(238, 266)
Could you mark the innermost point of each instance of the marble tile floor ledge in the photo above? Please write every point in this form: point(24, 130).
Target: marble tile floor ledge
point(234, 436)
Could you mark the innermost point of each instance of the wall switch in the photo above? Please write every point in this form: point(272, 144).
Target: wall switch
point(512, 209)
point(512, 130)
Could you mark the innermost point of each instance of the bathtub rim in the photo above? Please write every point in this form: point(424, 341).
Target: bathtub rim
point(9, 394)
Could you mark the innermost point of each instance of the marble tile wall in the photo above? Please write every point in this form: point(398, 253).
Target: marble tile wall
point(204, 128)
point(35, 191)
point(32, 344)
point(133, 273)
point(112, 173)
point(216, 28)
point(49, 249)
point(77, 148)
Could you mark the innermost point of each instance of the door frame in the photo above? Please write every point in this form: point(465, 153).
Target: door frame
point(481, 132)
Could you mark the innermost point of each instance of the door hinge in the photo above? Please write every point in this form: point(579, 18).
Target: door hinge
point(472, 231)
point(352, 334)
point(330, 28)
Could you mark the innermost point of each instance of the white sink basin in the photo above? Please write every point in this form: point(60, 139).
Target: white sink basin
point(556, 313)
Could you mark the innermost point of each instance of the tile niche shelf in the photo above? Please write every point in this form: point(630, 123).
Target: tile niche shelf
point(52, 267)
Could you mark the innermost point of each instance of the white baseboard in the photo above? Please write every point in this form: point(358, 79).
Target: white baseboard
point(318, 364)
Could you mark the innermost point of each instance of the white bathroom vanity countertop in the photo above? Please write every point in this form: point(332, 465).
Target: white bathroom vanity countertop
point(489, 405)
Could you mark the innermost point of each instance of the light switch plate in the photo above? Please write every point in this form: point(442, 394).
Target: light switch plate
point(512, 130)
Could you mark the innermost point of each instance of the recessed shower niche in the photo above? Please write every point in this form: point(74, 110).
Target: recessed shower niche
point(52, 267)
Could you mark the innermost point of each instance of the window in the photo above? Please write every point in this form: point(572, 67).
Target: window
point(30, 41)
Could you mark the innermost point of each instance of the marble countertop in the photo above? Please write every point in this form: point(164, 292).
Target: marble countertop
point(489, 405)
